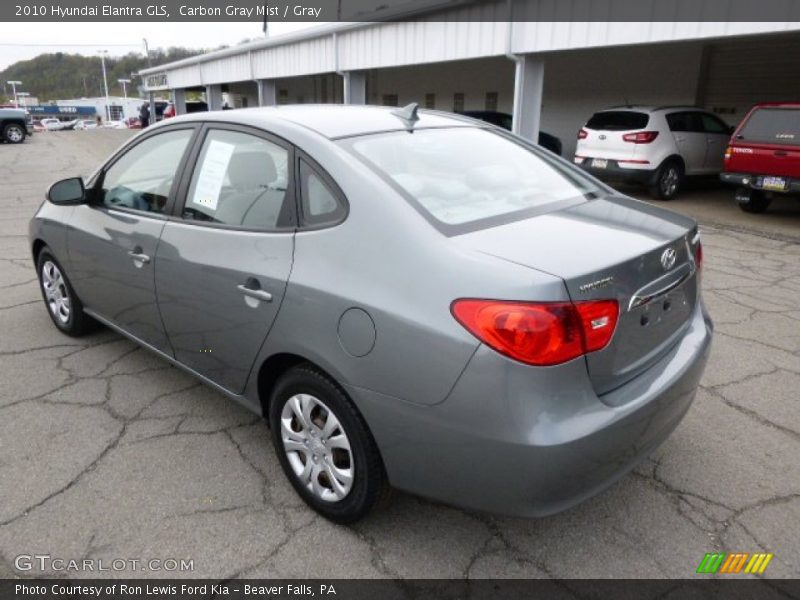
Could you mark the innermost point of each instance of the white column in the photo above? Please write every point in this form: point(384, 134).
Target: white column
point(180, 101)
point(214, 97)
point(528, 88)
point(151, 100)
point(267, 92)
point(355, 87)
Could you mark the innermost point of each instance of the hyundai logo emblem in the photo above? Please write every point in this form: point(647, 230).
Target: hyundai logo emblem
point(668, 258)
point(602, 136)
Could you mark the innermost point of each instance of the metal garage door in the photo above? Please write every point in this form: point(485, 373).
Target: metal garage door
point(744, 72)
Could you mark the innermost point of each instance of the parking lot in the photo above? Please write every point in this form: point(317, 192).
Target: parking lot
point(108, 452)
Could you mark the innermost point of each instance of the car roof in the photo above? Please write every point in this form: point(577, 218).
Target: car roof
point(333, 121)
point(652, 109)
point(777, 105)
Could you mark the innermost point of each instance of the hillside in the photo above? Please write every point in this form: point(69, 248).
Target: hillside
point(60, 75)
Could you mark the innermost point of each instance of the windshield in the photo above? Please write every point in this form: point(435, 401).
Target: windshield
point(468, 175)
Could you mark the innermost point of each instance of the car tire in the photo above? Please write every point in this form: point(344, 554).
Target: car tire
point(752, 201)
point(61, 301)
point(14, 133)
point(668, 180)
point(334, 466)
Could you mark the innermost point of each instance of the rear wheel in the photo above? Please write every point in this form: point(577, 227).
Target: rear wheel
point(324, 446)
point(667, 181)
point(14, 133)
point(752, 201)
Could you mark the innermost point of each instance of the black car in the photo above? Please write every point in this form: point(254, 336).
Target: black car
point(504, 120)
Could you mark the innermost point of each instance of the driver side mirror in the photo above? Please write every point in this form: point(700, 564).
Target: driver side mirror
point(67, 191)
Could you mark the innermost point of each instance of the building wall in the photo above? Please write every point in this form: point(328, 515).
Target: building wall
point(576, 83)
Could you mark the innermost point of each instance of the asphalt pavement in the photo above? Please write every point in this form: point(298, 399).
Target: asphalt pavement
point(109, 453)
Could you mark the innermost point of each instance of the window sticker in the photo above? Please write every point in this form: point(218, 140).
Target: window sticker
point(212, 174)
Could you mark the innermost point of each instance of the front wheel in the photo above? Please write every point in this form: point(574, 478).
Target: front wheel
point(324, 446)
point(667, 181)
point(752, 201)
point(14, 133)
point(63, 305)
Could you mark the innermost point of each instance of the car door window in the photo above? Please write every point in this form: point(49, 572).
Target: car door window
point(321, 205)
point(686, 122)
point(712, 124)
point(141, 179)
point(240, 180)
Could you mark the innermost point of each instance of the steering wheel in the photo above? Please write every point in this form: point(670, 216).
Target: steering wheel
point(125, 197)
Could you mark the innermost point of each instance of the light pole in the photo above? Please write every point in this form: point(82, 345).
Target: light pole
point(14, 85)
point(124, 83)
point(105, 81)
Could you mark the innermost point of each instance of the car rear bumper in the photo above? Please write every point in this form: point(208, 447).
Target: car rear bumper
point(531, 444)
point(616, 171)
point(755, 182)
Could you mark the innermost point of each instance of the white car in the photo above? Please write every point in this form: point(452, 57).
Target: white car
point(52, 124)
point(115, 125)
point(86, 124)
point(656, 146)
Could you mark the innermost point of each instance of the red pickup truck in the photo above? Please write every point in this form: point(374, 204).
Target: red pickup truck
point(763, 155)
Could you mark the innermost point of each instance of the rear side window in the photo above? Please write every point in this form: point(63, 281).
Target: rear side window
point(320, 204)
point(772, 126)
point(685, 122)
point(240, 180)
point(618, 120)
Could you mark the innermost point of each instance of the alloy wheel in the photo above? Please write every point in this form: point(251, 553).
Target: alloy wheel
point(317, 447)
point(14, 134)
point(55, 290)
point(669, 183)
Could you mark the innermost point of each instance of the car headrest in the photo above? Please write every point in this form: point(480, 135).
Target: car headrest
point(248, 170)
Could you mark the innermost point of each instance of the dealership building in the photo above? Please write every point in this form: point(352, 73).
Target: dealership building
point(550, 74)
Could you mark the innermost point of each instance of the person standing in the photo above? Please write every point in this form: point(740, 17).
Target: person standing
point(144, 115)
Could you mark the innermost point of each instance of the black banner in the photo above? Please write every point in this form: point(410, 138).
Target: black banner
point(382, 10)
point(381, 589)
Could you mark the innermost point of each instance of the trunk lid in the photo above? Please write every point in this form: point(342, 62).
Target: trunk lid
point(611, 249)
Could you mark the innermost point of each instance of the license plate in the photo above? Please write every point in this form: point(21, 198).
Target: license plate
point(774, 183)
point(599, 163)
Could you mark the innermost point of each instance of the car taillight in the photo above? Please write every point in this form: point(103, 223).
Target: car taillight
point(698, 256)
point(583, 134)
point(728, 152)
point(640, 137)
point(539, 333)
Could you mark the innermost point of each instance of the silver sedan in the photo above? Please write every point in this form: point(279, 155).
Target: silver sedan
point(411, 298)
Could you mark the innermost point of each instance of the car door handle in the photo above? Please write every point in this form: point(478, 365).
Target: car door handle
point(138, 256)
point(257, 294)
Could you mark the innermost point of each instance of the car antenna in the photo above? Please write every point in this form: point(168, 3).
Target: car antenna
point(408, 114)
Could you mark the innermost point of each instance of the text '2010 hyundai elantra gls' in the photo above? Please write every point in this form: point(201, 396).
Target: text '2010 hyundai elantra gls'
point(411, 298)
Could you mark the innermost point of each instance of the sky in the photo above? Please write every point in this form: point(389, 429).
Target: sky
point(27, 40)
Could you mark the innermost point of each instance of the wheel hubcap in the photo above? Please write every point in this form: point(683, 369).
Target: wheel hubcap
point(55, 291)
point(317, 447)
point(15, 134)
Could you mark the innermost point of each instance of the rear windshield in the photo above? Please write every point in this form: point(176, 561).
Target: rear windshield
point(463, 175)
point(618, 120)
point(772, 126)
